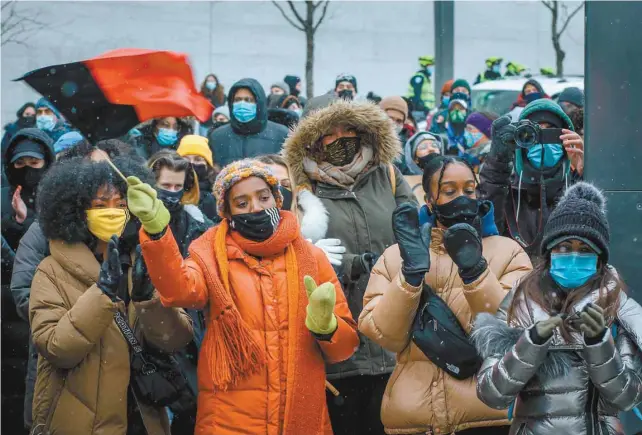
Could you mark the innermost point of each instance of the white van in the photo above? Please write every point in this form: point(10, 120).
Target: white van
point(499, 95)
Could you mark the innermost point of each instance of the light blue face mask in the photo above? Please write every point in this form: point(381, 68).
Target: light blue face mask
point(211, 85)
point(496, 68)
point(553, 152)
point(46, 122)
point(166, 137)
point(244, 111)
point(573, 270)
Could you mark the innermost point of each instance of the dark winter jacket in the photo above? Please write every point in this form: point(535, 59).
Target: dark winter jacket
point(359, 217)
point(15, 342)
point(146, 144)
point(560, 387)
point(32, 250)
point(12, 230)
point(238, 140)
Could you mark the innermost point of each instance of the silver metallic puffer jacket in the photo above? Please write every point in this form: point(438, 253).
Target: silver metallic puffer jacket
point(559, 387)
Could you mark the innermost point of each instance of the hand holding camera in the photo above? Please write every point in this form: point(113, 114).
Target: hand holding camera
point(508, 135)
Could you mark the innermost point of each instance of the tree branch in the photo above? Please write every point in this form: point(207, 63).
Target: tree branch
point(292, 23)
point(569, 18)
point(296, 14)
point(548, 5)
point(322, 17)
point(16, 27)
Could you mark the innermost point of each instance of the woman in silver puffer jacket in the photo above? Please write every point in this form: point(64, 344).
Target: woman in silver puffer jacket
point(564, 349)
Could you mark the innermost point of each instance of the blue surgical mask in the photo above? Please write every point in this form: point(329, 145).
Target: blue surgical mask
point(573, 270)
point(496, 68)
point(244, 111)
point(553, 152)
point(211, 85)
point(46, 122)
point(445, 101)
point(166, 137)
point(430, 69)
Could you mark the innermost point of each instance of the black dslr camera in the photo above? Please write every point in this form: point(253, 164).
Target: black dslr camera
point(527, 134)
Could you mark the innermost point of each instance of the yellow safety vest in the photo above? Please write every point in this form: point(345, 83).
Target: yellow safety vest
point(427, 94)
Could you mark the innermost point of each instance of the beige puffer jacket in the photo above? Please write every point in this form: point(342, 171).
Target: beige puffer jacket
point(420, 397)
point(83, 362)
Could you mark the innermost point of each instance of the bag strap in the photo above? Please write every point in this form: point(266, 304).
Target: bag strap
point(393, 179)
point(127, 332)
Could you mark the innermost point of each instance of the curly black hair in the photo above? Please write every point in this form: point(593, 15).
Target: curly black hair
point(113, 148)
point(67, 189)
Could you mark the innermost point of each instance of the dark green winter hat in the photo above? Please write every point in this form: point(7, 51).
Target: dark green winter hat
point(544, 105)
point(460, 83)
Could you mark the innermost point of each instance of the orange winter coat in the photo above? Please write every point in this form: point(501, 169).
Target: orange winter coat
point(259, 403)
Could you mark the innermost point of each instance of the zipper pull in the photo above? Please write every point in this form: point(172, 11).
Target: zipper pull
point(435, 326)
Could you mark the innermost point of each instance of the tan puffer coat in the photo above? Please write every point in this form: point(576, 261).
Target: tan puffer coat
point(420, 397)
point(83, 362)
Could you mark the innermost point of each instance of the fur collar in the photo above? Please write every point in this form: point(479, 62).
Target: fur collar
point(374, 126)
point(492, 337)
point(314, 216)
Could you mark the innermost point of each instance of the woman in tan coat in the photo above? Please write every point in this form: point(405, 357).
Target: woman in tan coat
point(451, 246)
point(83, 379)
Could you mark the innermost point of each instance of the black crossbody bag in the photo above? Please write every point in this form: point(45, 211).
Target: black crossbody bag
point(155, 375)
point(440, 336)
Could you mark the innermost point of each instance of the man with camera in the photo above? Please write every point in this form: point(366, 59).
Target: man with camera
point(530, 164)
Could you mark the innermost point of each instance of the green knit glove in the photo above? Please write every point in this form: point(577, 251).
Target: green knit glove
point(320, 319)
point(143, 203)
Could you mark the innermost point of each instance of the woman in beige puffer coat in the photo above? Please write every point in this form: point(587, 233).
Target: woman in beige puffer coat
point(82, 386)
point(421, 398)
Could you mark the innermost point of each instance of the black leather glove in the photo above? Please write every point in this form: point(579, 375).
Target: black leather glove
point(110, 271)
point(503, 139)
point(414, 242)
point(142, 287)
point(464, 246)
point(363, 264)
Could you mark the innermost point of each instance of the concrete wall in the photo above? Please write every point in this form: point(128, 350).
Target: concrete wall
point(379, 42)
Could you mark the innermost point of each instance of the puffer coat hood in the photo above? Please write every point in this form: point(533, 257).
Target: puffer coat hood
point(372, 124)
point(259, 123)
point(420, 397)
point(559, 386)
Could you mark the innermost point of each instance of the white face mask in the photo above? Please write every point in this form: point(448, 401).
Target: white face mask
point(398, 128)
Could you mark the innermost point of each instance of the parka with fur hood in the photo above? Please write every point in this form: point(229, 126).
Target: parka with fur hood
point(82, 386)
point(360, 217)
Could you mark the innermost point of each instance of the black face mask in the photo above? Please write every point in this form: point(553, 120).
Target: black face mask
point(341, 151)
point(172, 200)
point(461, 210)
point(201, 173)
point(346, 94)
point(27, 122)
point(258, 226)
point(287, 198)
point(219, 124)
point(29, 177)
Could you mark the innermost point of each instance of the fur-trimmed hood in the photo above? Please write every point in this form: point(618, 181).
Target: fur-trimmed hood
point(374, 126)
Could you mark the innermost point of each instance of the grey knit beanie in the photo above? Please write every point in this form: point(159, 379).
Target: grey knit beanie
point(580, 214)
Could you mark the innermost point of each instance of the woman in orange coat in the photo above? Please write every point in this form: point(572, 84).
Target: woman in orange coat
point(270, 328)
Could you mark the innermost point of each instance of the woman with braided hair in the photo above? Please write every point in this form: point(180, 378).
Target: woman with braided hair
point(450, 250)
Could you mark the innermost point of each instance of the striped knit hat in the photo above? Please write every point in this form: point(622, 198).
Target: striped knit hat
point(238, 171)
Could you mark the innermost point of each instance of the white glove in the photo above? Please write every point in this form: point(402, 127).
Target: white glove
point(333, 250)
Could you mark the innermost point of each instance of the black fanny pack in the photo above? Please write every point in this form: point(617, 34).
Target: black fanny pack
point(440, 336)
point(155, 375)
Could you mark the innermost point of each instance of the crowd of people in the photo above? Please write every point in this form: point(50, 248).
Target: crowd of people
point(314, 267)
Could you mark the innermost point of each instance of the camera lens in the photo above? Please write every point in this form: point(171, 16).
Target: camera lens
point(526, 135)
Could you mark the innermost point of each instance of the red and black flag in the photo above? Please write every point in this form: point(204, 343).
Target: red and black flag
point(108, 95)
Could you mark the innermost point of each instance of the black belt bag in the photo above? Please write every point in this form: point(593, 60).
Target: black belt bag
point(440, 336)
point(155, 375)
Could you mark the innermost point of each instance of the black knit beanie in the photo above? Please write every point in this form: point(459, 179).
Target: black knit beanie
point(580, 214)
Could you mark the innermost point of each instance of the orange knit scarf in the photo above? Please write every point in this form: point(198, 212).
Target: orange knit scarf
point(236, 352)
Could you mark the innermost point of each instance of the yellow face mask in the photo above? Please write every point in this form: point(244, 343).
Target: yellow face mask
point(105, 222)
